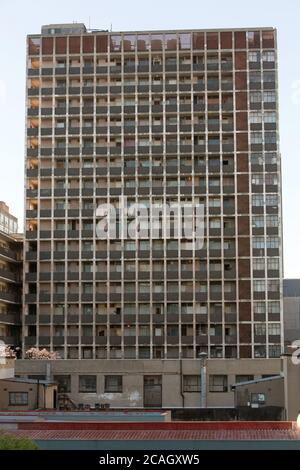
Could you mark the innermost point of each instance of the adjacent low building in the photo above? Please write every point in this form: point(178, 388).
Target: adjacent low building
point(150, 384)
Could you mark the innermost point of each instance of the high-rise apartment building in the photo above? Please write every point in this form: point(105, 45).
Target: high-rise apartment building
point(161, 117)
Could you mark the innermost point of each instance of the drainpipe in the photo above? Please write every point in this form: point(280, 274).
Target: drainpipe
point(181, 387)
point(203, 374)
point(38, 394)
point(48, 371)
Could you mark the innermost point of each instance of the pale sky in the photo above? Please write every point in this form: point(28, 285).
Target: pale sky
point(19, 18)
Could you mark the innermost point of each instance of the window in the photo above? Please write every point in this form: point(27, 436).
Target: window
point(259, 307)
point(270, 117)
point(258, 221)
point(214, 202)
point(254, 77)
point(257, 179)
point(271, 200)
point(268, 56)
point(255, 118)
point(258, 242)
point(215, 223)
point(259, 286)
point(269, 97)
point(270, 138)
point(191, 383)
point(256, 138)
point(255, 97)
point(218, 383)
point(272, 242)
point(271, 179)
point(274, 350)
point(115, 44)
point(258, 264)
point(254, 56)
point(271, 158)
point(260, 329)
point(113, 384)
point(60, 289)
point(257, 159)
point(269, 77)
point(273, 264)
point(258, 398)
point(18, 398)
point(260, 351)
point(274, 329)
point(63, 382)
point(273, 285)
point(274, 307)
point(87, 384)
point(257, 200)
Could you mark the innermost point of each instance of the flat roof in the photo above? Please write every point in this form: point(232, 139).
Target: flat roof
point(291, 287)
point(154, 31)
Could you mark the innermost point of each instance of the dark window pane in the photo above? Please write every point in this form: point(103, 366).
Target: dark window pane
point(156, 42)
point(47, 46)
point(88, 44)
point(88, 383)
point(212, 40)
point(143, 42)
point(240, 40)
point(268, 39)
point(101, 43)
point(226, 40)
point(74, 45)
point(60, 45)
point(113, 384)
point(198, 40)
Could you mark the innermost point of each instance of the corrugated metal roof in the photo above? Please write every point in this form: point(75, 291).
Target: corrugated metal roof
point(161, 435)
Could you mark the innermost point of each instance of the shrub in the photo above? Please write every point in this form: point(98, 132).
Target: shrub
point(9, 442)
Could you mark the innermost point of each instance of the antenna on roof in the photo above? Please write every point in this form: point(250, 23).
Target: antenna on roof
point(89, 22)
point(110, 27)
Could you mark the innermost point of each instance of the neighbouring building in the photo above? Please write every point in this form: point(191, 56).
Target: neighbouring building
point(17, 394)
point(8, 222)
point(158, 117)
point(11, 268)
point(291, 310)
point(280, 391)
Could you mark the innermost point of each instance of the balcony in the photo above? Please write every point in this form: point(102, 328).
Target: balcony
point(7, 253)
point(9, 318)
point(10, 297)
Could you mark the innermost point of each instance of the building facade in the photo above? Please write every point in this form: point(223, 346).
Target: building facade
point(164, 117)
point(11, 255)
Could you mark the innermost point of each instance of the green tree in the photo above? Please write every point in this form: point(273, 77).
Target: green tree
point(9, 442)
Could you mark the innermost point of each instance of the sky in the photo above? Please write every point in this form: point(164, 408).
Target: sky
point(19, 18)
